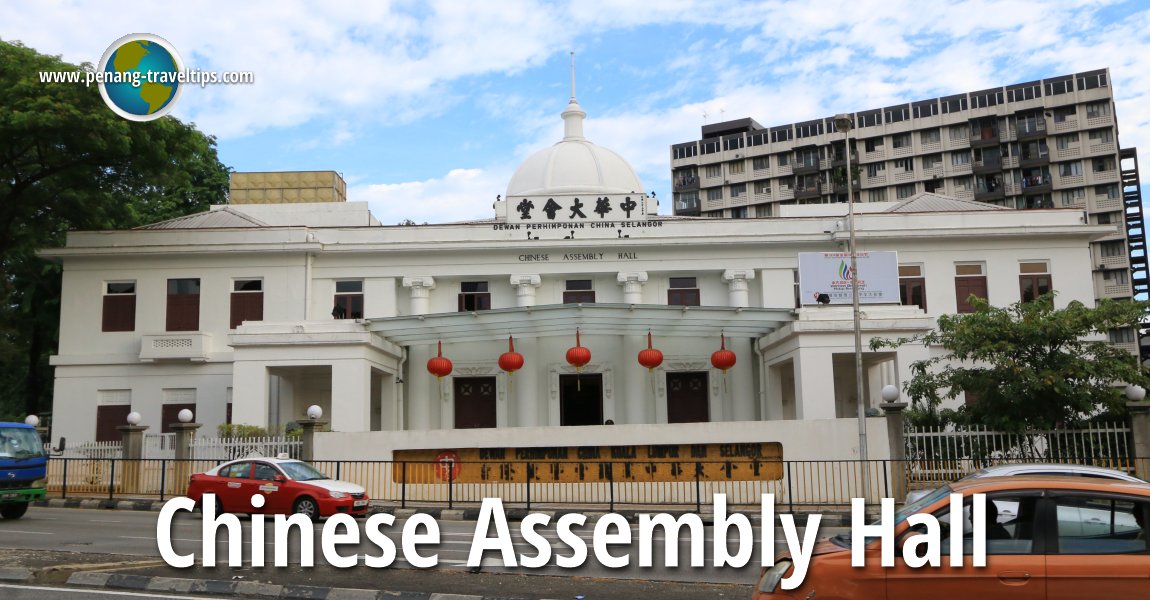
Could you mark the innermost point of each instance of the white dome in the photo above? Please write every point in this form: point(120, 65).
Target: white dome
point(574, 166)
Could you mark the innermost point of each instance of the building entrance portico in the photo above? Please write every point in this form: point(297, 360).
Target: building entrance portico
point(811, 375)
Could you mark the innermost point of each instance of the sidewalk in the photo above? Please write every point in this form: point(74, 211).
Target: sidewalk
point(836, 517)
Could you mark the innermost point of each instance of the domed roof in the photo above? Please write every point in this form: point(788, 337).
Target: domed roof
point(574, 166)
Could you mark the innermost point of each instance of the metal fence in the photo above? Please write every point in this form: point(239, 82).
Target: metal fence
point(795, 484)
point(221, 449)
point(937, 454)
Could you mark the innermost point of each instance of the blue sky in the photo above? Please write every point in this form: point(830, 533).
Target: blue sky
point(427, 108)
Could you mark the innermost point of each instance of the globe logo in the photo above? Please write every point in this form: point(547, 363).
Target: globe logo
point(140, 79)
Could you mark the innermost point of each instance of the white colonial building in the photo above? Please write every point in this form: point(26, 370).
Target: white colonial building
point(253, 311)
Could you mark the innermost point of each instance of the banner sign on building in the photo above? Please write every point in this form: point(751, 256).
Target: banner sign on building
point(592, 464)
point(830, 273)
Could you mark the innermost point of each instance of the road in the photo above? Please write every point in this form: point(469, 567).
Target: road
point(133, 533)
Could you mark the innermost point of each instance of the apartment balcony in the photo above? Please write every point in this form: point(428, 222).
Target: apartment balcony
point(686, 184)
point(1070, 124)
point(192, 346)
point(874, 155)
point(935, 171)
point(786, 193)
point(809, 191)
point(1065, 180)
point(1107, 176)
point(992, 165)
point(1040, 159)
point(953, 143)
point(1113, 262)
point(805, 167)
point(989, 195)
point(929, 147)
point(1010, 162)
point(1097, 204)
point(963, 169)
point(1103, 148)
point(1063, 153)
point(1099, 120)
point(1107, 289)
point(986, 136)
point(1031, 130)
point(687, 207)
point(1131, 347)
point(1036, 186)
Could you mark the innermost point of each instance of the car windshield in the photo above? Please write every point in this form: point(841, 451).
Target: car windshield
point(20, 442)
point(844, 539)
point(301, 471)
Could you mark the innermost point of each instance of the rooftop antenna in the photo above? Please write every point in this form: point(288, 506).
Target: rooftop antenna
point(572, 75)
point(704, 117)
point(722, 113)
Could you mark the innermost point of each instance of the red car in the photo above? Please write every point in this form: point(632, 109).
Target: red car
point(288, 486)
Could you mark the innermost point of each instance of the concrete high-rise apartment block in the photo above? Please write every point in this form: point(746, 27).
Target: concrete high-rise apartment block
point(1051, 143)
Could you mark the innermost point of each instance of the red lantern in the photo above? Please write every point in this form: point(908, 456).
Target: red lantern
point(439, 366)
point(578, 356)
point(510, 361)
point(650, 358)
point(723, 359)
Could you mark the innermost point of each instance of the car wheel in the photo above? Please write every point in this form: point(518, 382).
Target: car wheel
point(306, 506)
point(13, 511)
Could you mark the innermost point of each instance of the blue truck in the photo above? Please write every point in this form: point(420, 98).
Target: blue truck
point(23, 469)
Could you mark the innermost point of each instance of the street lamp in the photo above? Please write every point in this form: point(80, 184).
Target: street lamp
point(844, 124)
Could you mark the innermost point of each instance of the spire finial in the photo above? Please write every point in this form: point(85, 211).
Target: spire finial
point(572, 75)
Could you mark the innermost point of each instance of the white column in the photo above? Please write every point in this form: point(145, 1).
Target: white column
point(421, 287)
point(351, 395)
point(738, 290)
point(421, 392)
point(525, 286)
point(524, 404)
point(743, 400)
point(638, 405)
point(814, 384)
point(632, 283)
point(249, 393)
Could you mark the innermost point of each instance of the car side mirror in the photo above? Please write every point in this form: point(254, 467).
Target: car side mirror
point(280, 478)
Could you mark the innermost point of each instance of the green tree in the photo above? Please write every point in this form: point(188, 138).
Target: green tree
point(1029, 364)
point(67, 162)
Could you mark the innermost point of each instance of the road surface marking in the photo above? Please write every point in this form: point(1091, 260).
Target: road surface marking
point(28, 532)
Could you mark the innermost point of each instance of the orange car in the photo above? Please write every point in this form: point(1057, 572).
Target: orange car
point(1048, 538)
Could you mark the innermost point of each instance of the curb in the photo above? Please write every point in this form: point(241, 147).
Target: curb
point(248, 589)
point(836, 518)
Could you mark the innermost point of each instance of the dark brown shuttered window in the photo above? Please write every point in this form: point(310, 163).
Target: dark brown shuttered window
point(119, 307)
point(183, 305)
point(684, 291)
point(247, 301)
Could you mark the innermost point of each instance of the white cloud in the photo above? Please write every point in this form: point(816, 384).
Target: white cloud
point(353, 67)
point(460, 195)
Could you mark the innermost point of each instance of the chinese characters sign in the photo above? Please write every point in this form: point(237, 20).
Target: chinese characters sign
point(830, 273)
point(573, 209)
